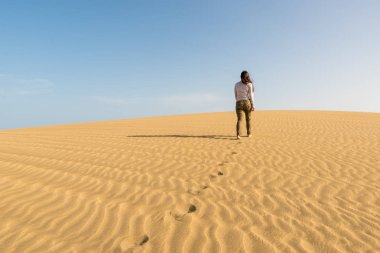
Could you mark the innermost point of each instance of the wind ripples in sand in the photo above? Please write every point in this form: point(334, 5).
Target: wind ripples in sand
point(306, 182)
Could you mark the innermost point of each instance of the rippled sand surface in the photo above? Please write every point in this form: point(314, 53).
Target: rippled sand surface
point(307, 181)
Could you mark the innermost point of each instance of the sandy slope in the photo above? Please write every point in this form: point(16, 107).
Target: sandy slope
point(306, 182)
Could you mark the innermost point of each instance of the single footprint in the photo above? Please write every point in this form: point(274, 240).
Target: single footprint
point(233, 153)
point(180, 217)
point(204, 187)
point(220, 173)
point(192, 209)
point(144, 240)
point(211, 176)
point(128, 247)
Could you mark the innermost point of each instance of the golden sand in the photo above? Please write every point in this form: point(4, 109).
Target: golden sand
point(307, 181)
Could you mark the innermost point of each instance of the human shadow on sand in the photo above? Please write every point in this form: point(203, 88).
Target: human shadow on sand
point(216, 137)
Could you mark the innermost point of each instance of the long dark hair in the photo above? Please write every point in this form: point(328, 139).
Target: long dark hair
point(245, 78)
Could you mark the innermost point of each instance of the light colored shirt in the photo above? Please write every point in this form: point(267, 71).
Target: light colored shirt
point(244, 92)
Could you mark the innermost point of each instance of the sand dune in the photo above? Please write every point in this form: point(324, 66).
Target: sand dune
point(307, 181)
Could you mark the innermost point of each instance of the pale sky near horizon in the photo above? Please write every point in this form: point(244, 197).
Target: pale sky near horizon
point(79, 61)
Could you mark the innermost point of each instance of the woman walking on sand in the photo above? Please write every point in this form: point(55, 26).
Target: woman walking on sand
point(244, 102)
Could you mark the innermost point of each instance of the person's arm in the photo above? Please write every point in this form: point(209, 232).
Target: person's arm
point(251, 98)
point(235, 93)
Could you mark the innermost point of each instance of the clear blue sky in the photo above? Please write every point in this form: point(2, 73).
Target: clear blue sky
point(77, 61)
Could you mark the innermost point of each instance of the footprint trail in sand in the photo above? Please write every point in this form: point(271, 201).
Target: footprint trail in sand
point(307, 181)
